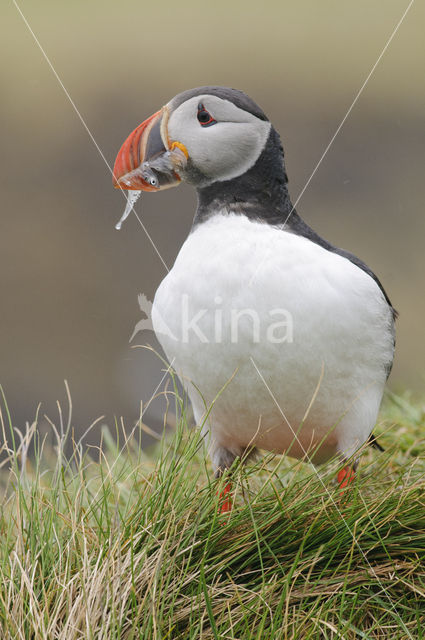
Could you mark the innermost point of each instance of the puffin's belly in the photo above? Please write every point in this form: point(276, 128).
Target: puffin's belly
point(232, 282)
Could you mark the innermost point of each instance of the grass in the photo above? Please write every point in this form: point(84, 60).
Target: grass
point(116, 543)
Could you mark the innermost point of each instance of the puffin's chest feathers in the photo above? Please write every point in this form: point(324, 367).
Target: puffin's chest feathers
point(231, 264)
point(243, 294)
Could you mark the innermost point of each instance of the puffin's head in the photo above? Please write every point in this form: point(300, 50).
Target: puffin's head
point(202, 136)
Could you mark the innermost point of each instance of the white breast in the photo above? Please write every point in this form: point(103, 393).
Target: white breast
point(232, 282)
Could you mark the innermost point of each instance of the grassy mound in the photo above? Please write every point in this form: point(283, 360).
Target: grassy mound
point(131, 545)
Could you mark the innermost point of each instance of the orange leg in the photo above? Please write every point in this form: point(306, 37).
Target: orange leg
point(345, 476)
point(225, 499)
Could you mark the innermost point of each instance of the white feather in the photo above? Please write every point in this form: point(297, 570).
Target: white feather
point(342, 339)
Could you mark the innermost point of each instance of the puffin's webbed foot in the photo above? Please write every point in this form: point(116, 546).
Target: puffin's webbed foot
point(346, 475)
point(225, 499)
point(223, 459)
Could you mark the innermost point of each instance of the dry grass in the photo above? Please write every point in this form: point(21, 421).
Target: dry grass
point(131, 546)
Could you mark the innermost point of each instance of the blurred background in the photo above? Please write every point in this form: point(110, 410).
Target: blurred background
point(69, 281)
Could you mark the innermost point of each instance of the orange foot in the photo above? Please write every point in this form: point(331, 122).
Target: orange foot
point(225, 499)
point(345, 477)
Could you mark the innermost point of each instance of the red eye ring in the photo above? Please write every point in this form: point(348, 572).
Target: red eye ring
point(205, 119)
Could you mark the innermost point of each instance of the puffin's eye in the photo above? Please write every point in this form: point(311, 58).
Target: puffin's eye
point(204, 117)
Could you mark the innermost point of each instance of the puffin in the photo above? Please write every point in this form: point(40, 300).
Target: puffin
point(283, 341)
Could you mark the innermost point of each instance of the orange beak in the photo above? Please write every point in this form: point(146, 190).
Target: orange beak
point(146, 161)
point(133, 153)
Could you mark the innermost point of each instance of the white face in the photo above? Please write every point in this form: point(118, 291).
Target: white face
point(224, 150)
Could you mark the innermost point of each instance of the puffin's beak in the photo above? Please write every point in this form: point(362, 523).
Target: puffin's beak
point(145, 161)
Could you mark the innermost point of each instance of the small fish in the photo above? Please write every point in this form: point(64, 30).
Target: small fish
point(157, 174)
point(132, 198)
